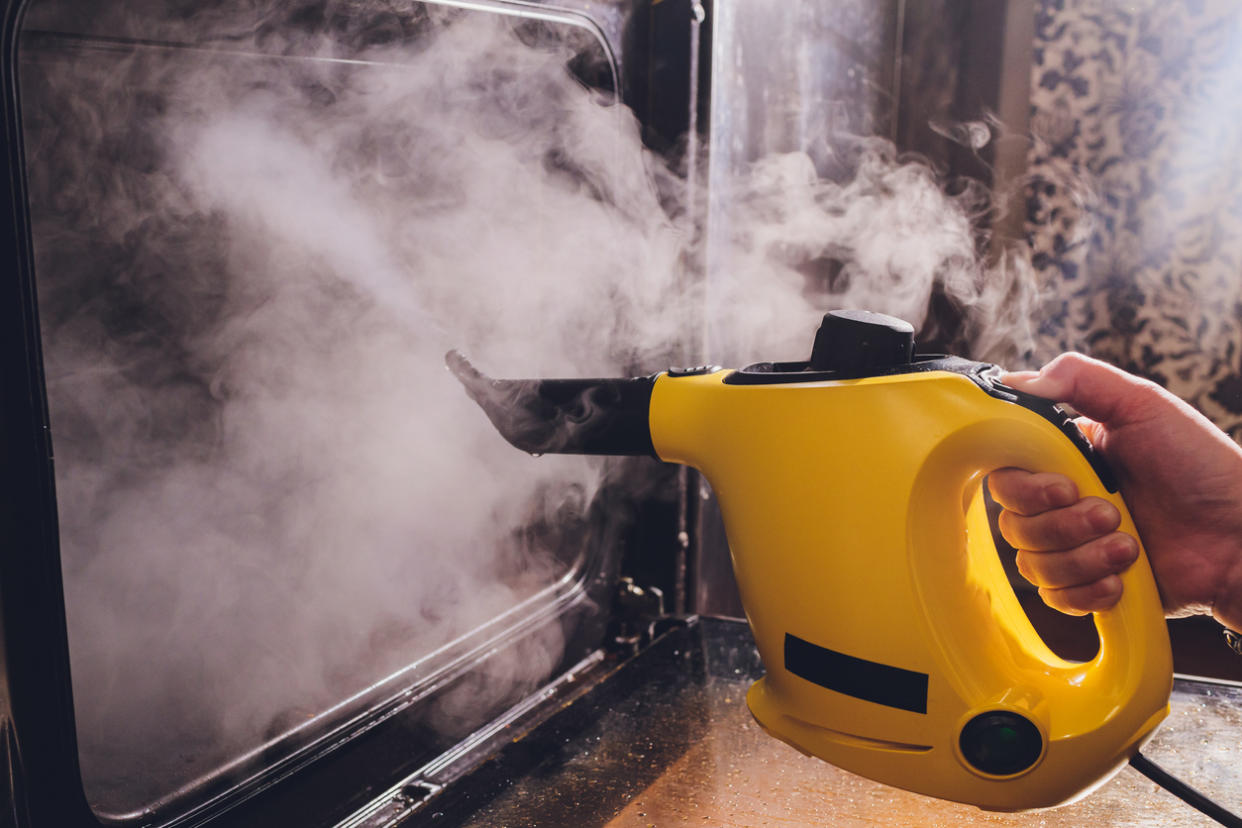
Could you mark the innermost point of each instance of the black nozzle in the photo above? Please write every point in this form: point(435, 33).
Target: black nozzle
point(856, 343)
point(563, 416)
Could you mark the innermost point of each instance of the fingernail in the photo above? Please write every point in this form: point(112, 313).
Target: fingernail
point(1103, 518)
point(1059, 494)
point(1122, 551)
point(1110, 589)
point(1015, 379)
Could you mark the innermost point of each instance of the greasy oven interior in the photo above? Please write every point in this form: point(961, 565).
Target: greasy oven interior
point(265, 564)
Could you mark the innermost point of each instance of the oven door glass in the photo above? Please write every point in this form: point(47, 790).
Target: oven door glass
point(258, 228)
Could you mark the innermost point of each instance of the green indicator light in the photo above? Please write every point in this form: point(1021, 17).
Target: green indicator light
point(1001, 743)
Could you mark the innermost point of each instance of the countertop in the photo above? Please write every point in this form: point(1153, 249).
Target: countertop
point(667, 741)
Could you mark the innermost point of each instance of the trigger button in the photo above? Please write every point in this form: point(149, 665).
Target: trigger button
point(1056, 415)
point(1080, 441)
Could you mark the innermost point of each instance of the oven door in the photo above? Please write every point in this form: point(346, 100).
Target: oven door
point(277, 562)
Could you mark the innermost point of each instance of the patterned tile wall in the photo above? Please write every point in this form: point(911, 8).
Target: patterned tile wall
point(1135, 195)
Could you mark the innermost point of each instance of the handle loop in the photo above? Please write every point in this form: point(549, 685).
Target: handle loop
point(990, 647)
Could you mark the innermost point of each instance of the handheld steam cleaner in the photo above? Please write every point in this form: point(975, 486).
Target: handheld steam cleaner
point(850, 487)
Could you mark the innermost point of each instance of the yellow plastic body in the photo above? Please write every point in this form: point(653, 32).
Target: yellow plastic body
point(855, 520)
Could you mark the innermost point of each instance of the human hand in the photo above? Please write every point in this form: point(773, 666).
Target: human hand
point(1181, 478)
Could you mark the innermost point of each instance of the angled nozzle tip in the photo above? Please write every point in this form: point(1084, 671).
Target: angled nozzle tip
point(459, 365)
point(563, 416)
point(507, 403)
point(475, 383)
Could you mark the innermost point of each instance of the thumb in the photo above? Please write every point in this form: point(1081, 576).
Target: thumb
point(1096, 389)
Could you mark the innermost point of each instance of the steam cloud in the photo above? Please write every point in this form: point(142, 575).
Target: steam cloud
point(271, 493)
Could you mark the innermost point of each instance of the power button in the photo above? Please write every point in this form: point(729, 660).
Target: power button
point(1001, 743)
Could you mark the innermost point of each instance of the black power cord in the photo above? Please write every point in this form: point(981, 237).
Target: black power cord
point(1184, 792)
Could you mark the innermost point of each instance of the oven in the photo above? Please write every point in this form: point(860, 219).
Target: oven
point(264, 563)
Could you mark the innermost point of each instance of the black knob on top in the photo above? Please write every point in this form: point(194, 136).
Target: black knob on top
point(858, 343)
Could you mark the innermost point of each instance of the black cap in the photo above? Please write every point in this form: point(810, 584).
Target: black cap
point(858, 343)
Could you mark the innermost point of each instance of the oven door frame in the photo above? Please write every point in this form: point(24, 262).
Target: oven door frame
point(42, 783)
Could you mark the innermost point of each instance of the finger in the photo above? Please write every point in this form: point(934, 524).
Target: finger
point(1080, 600)
point(1094, 388)
point(1030, 493)
point(1060, 529)
point(1083, 565)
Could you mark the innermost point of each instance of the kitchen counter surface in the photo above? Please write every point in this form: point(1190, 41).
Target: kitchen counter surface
point(667, 740)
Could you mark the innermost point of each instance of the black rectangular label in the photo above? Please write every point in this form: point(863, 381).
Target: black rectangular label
point(857, 677)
